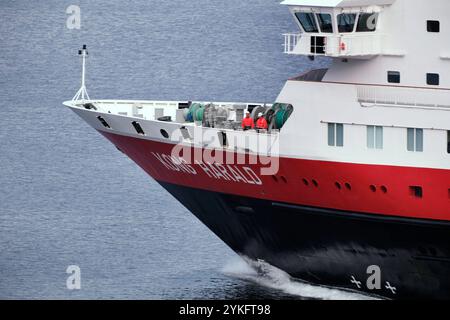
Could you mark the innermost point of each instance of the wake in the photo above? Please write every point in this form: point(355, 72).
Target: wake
point(269, 276)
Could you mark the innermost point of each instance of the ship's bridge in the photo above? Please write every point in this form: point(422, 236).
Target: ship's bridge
point(337, 28)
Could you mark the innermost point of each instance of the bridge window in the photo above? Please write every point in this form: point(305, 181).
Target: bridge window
point(308, 21)
point(393, 77)
point(346, 22)
point(325, 22)
point(433, 79)
point(433, 26)
point(415, 140)
point(374, 137)
point(335, 134)
point(367, 22)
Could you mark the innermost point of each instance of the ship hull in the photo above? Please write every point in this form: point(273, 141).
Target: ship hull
point(329, 247)
point(374, 242)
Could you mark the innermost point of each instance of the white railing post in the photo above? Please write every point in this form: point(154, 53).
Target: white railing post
point(291, 41)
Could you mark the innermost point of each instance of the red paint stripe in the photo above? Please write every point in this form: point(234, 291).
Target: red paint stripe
point(294, 183)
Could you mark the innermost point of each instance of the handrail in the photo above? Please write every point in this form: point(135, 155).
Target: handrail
point(403, 96)
point(333, 45)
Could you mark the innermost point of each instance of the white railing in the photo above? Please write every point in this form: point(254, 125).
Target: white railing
point(333, 45)
point(290, 42)
point(403, 96)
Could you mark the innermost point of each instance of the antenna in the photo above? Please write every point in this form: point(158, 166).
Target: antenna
point(82, 93)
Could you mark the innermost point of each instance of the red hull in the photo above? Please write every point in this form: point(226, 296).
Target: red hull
point(294, 182)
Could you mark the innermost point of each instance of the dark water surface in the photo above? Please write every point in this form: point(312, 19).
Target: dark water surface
point(68, 197)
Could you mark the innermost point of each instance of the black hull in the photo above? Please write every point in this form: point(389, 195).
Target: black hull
point(329, 247)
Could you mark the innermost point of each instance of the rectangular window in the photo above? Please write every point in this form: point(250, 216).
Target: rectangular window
point(415, 140)
point(367, 22)
point(448, 141)
point(308, 21)
point(346, 22)
point(374, 137)
point(393, 77)
point(416, 191)
point(433, 79)
point(318, 45)
point(325, 22)
point(433, 26)
point(336, 134)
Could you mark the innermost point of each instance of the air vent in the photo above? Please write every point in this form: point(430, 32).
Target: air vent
point(138, 127)
point(103, 122)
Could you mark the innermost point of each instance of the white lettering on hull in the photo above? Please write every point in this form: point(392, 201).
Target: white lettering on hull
point(212, 170)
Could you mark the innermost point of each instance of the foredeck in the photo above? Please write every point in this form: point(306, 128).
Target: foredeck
point(149, 110)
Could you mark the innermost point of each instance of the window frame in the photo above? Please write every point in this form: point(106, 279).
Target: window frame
point(448, 141)
point(416, 191)
point(335, 134)
point(375, 137)
point(430, 28)
point(392, 73)
point(369, 14)
point(354, 23)
point(415, 140)
point(430, 78)
point(316, 24)
point(319, 20)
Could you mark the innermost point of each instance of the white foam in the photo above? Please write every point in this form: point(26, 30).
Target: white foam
point(269, 276)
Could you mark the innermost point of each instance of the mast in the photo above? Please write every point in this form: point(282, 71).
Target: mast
point(82, 93)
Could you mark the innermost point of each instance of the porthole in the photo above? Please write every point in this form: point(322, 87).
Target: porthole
point(373, 188)
point(338, 185)
point(315, 183)
point(305, 182)
point(164, 133)
point(383, 189)
point(348, 186)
